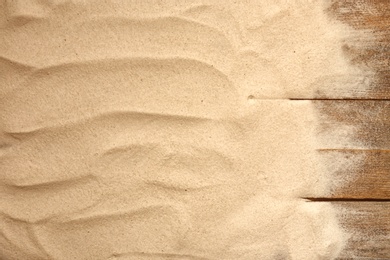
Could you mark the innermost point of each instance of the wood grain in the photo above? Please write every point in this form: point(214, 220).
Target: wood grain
point(369, 227)
point(367, 177)
point(355, 144)
point(373, 51)
point(355, 134)
point(352, 124)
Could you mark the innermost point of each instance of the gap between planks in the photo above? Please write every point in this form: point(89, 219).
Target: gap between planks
point(321, 99)
point(323, 199)
point(340, 99)
point(353, 150)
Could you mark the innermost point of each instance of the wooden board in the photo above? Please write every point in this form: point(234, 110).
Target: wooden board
point(370, 180)
point(369, 225)
point(373, 51)
point(360, 166)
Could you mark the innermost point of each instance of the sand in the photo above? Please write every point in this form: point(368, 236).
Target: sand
point(165, 129)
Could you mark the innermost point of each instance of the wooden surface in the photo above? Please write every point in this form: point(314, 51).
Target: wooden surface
point(368, 223)
point(361, 164)
point(372, 18)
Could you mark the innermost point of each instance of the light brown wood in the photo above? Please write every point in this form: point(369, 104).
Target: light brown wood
point(354, 124)
point(369, 224)
point(360, 155)
point(368, 180)
point(372, 16)
point(363, 202)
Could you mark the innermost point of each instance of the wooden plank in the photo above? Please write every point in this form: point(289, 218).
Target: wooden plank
point(353, 124)
point(373, 17)
point(358, 174)
point(368, 224)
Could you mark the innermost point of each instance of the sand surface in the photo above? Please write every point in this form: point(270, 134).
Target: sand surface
point(164, 129)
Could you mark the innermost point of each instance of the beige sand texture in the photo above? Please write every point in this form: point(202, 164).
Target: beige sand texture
point(163, 129)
